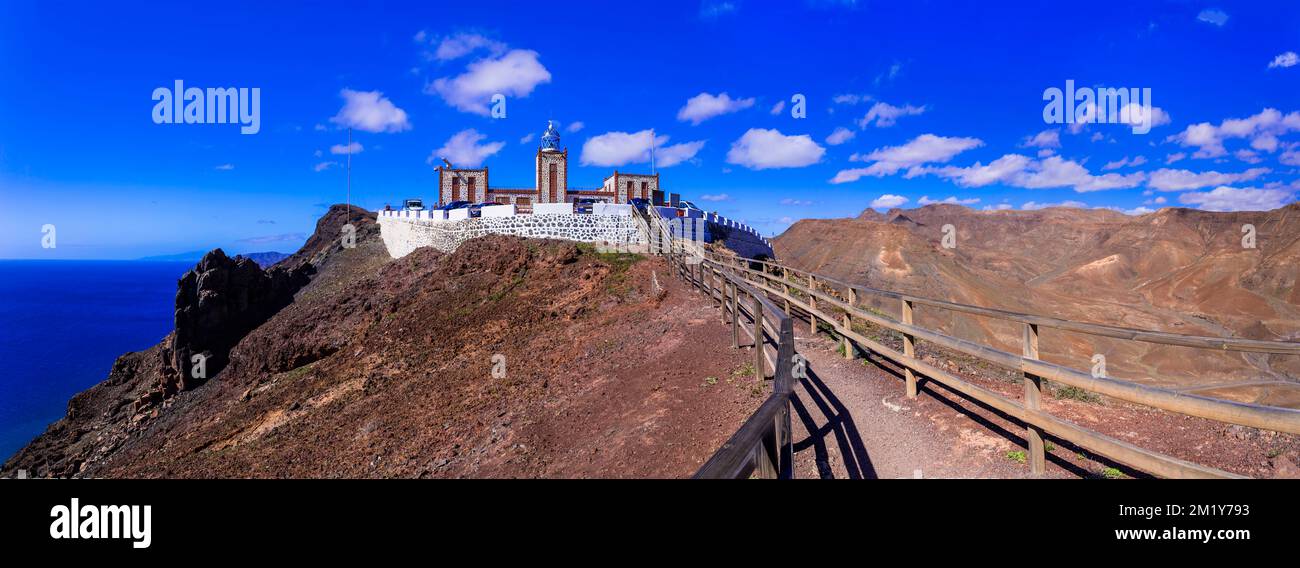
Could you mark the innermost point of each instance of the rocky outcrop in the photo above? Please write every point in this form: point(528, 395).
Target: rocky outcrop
point(217, 304)
point(510, 357)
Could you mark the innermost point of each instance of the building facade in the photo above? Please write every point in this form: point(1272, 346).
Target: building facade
point(551, 185)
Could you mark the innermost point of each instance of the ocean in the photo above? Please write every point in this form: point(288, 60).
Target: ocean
point(63, 323)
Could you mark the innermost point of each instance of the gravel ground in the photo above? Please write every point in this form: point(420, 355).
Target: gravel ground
point(863, 426)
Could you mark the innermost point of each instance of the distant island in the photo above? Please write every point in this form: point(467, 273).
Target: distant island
point(263, 259)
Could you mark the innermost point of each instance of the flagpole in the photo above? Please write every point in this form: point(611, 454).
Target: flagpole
point(349, 201)
point(652, 151)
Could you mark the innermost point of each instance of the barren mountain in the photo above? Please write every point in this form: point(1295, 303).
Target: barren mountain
point(1176, 270)
point(509, 358)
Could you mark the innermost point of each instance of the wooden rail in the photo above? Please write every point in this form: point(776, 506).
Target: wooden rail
point(808, 292)
point(762, 447)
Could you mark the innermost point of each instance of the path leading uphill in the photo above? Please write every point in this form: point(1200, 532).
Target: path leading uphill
point(853, 420)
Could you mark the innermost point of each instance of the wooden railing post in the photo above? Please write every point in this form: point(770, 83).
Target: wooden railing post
point(853, 296)
point(723, 300)
point(848, 345)
point(1033, 398)
point(909, 349)
point(812, 304)
point(735, 316)
point(758, 340)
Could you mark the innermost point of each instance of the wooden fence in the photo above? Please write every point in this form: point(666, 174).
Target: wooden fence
point(817, 295)
point(762, 447)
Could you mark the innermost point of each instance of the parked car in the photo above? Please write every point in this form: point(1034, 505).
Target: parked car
point(476, 210)
point(688, 205)
point(414, 204)
point(453, 205)
point(640, 202)
point(584, 204)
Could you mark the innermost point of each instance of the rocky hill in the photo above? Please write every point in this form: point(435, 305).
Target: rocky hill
point(1176, 270)
point(510, 357)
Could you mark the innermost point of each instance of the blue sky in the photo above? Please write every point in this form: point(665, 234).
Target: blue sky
point(906, 103)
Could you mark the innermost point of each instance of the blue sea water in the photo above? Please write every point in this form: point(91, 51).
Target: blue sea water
point(63, 323)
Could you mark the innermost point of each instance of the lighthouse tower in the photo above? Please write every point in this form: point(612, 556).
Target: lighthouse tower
point(552, 167)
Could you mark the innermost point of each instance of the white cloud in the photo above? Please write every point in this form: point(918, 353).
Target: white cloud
point(999, 207)
point(1175, 157)
point(704, 106)
point(225, 167)
point(925, 200)
point(888, 200)
point(885, 115)
point(459, 45)
point(1045, 152)
point(324, 166)
point(668, 156)
point(761, 149)
point(1224, 198)
point(840, 136)
point(353, 148)
point(1045, 139)
point(1021, 171)
point(516, 73)
point(1125, 162)
point(620, 148)
point(851, 99)
point(575, 126)
point(777, 108)
point(1131, 114)
point(711, 10)
point(526, 138)
point(1263, 128)
point(1288, 59)
point(1213, 16)
point(464, 151)
point(715, 197)
point(979, 175)
point(1290, 157)
point(1166, 179)
point(370, 111)
point(1059, 172)
point(1032, 205)
point(789, 201)
point(924, 149)
point(1248, 156)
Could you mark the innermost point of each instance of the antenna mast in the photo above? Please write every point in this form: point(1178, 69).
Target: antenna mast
point(652, 151)
point(349, 201)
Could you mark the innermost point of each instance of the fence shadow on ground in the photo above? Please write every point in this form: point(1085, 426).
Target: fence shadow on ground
point(838, 423)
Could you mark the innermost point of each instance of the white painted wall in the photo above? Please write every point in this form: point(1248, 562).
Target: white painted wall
point(611, 209)
point(552, 208)
point(497, 211)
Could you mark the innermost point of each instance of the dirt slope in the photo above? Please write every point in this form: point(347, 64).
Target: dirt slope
point(384, 368)
point(1177, 270)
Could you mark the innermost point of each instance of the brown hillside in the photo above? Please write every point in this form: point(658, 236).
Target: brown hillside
point(384, 368)
point(1176, 270)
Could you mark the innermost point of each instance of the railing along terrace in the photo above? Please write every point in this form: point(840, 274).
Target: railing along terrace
point(762, 447)
point(815, 295)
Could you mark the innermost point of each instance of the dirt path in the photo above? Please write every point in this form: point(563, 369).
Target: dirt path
point(853, 420)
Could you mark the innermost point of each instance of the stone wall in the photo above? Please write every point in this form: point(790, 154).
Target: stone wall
point(403, 235)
